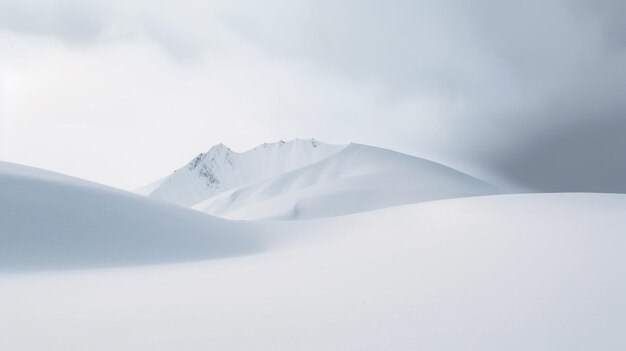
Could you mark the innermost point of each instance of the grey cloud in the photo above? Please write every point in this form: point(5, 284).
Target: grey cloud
point(85, 22)
point(611, 14)
point(583, 156)
point(582, 147)
point(404, 45)
point(533, 89)
point(177, 42)
point(74, 22)
point(539, 81)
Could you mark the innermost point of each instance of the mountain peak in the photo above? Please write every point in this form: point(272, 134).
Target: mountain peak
point(281, 143)
point(221, 169)
point(220, 146)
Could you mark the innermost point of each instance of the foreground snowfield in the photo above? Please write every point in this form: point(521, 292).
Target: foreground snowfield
point(508, 272)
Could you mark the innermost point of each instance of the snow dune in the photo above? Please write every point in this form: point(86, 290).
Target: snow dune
point(504, 272)
point(507, 272)
point(49, 221)
point(356, 179)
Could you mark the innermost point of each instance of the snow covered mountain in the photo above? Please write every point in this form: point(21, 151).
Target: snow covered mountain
point(221, 169)
point(304, 179)
point(356, 179)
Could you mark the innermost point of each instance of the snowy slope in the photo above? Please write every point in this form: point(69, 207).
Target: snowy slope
point(221, 169)
point(356, 179)
point(508, 272)
point(48, 220)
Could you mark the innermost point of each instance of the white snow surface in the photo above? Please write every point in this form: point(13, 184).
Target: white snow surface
point(221, 169)
point(507, 272)
point(49, 220)
point(358, 178)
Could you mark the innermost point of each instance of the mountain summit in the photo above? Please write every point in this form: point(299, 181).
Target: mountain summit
point(304, 179)
point(221, 169)
point(358, 178)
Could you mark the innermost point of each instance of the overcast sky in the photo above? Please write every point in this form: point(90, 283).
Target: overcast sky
point(529, 94)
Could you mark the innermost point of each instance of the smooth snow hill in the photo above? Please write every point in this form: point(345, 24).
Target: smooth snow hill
point(492, 273)
point(221, 169)
point(49, 221)
point(358, 178)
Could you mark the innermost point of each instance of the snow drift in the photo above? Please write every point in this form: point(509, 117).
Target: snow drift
point(506, 272)
point(49, 221)
point(509, 272)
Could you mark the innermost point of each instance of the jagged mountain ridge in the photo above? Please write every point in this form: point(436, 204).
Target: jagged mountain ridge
point(221, 169)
